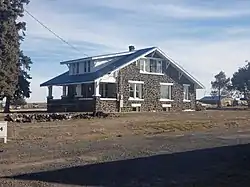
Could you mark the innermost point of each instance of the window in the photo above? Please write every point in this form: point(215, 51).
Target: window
point(103, 90)
point(131, 90)
point(142, 64)
point(159, 66)
point(138, 91)
point(136, 107)
point(147, 66)
point(151, 65)
point(186, 92)
point(85, 66)
point(73, 67)
point(108, 90)
point(88, 66)
point(87, 90)
point(77, 68)
point(135, 90)
point(166, 91)
point(71, 91)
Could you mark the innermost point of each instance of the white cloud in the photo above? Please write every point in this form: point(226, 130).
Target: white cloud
point(181, 9)
point(201, 56)
point(205, 59)
point(39, 94)
point(185, 12)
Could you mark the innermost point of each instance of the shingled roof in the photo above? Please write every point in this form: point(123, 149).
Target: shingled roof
point(65, 78)
point(119, 60)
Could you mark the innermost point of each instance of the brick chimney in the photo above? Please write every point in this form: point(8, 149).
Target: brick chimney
point(131, 48)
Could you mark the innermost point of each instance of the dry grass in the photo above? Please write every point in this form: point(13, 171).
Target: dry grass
point(39, 145)
point(127, 124)
point(65, 139)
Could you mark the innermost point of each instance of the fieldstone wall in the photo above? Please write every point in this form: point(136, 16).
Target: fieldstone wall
point(192, 103)
point(106, 105)
point(151, 88)
point(151, 93)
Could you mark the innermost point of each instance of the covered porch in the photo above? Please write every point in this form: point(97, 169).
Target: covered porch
point(81, 97)
point(87, 91)
point(81, 93)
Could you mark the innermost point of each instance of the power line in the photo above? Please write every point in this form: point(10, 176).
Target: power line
point(53, 32)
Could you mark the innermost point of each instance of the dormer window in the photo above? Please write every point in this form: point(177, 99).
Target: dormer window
point(77, 68)
point(87, 66)
point(73, 67)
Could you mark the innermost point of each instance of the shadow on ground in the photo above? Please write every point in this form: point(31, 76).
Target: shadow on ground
point(223, 166)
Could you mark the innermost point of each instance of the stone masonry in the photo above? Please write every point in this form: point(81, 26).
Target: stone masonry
point(151, 93)
point(151, 90)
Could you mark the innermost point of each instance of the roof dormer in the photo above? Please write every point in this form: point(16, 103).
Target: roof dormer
point(82, 67)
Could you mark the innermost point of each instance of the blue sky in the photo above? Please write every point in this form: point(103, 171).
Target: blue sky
point(202, 36)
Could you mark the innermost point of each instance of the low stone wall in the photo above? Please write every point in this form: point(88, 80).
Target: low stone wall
point(48, 117)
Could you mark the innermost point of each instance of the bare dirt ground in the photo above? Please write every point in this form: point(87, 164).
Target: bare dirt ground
point(208, 148)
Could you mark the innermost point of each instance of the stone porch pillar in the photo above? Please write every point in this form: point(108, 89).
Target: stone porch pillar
point(96, 97)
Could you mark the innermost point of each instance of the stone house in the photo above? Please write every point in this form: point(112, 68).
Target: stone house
point(136, 80)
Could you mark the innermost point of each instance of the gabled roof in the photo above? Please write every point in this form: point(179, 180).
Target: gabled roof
point(65, 78)
point(99, 57)
point(181, 69)
point(120, 60)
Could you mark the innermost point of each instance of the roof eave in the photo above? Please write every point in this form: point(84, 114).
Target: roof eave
point(65, 84)
point(47, 83)
point(98, 57)
point(200, 87)
point(192, 79)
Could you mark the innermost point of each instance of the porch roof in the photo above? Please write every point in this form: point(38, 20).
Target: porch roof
point(65, 78)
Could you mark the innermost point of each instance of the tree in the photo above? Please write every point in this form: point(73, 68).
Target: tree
point(241, 81)
point(220, 85)
point(10, 11)
point(23, 86)
point(9, 48)
point(19, 102)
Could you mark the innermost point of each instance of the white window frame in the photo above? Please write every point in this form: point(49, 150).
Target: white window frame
point(87, 66)
point(171, 87)
point(147, 60)
point(135, 83)
point(104, 90)
point(186, 88)
point(73, 69)
point(77, 68)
